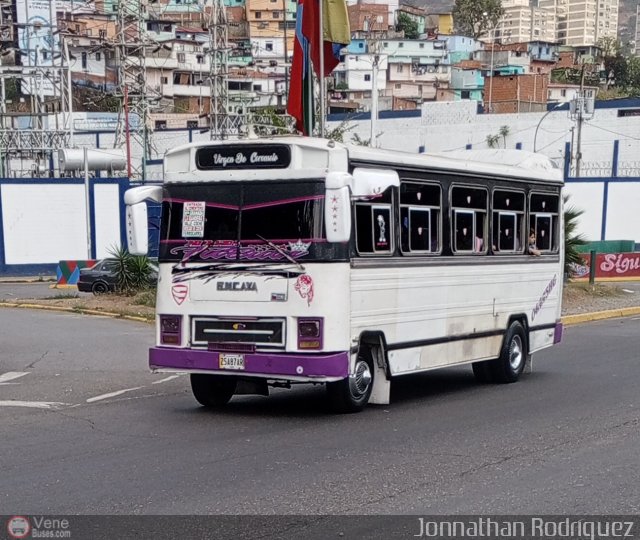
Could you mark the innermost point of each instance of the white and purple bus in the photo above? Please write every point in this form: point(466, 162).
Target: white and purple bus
point(301, 260)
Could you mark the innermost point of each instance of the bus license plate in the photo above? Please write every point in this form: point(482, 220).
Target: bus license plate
point(231, 361)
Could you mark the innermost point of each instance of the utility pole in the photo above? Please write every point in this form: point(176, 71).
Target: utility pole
point(131, 47)
point(579, 113)
point(218, 72)
point(373, 48)
point(374, 96)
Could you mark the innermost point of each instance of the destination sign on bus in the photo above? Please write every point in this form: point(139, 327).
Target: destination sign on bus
point(264, 156)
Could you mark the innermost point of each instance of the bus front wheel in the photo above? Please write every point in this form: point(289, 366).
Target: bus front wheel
point(513, 355)
point(352, 394)
point(213, 391)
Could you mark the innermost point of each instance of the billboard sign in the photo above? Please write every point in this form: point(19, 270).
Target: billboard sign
point(39, 42)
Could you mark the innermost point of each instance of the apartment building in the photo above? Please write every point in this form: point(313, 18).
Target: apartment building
point(368, 18)
point(267, 20)
point(524, 21)
point(416, 68)
point(584, 22)
point(390, 6)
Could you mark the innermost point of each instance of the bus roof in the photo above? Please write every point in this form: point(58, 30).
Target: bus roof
point(321, 155)
point(514, 163)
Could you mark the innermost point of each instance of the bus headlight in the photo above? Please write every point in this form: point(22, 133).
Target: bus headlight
point(310, 333)
point(170, 329)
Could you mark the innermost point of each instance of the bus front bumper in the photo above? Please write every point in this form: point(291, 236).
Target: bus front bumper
point(291, 367)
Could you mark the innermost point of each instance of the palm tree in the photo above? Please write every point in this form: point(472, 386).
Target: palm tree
point(572, 241)
point(504, 133)
point(492, 140)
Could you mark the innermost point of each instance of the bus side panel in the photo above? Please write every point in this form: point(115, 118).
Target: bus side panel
point(435, 315)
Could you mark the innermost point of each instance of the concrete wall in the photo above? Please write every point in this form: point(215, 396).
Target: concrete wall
point(43, 221)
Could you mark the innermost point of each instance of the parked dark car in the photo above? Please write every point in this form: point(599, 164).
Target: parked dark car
point(101, 278)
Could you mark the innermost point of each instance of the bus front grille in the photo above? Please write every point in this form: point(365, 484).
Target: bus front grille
point(263, 333)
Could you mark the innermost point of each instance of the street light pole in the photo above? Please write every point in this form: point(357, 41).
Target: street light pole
point(535, 137)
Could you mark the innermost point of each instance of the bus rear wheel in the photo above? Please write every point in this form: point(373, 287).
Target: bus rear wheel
point(513, 356)
point(352, 394)
point(213, 391)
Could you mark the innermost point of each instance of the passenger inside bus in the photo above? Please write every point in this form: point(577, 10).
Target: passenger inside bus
point(533, 249)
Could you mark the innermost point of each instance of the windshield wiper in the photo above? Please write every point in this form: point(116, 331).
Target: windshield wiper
point(282, 252)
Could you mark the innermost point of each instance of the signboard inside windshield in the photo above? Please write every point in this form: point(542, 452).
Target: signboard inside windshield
point(193, 216)
point(230, 157)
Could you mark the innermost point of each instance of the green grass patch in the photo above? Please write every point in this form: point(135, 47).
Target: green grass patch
point(145, 298)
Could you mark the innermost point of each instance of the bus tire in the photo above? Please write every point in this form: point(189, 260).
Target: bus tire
point(213, 391)
point(513, 355)
point(350, 395)
point(482, 371)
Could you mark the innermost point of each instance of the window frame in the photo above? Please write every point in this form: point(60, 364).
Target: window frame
point(453, 210)
point(373, 204)
point(430, 208)
point(523, 228)
point(555, 221)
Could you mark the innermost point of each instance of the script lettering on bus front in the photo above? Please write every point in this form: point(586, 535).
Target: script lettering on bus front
point(206, 250)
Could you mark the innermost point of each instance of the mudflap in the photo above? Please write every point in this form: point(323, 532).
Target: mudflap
point(381, 391)
point(528, 366)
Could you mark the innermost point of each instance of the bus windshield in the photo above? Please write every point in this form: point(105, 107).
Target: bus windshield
point(248, 221)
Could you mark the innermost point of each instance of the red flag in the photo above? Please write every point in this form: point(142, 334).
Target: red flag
point(299, 101)
point(335, 32)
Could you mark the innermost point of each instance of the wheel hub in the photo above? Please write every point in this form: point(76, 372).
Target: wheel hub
point(515, 353)
point(362, 378)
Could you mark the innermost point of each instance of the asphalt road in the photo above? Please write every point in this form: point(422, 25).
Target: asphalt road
point(564, 439)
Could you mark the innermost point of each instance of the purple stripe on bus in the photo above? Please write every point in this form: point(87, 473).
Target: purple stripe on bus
point(283, 201)
point(248, 242)
point(282, 365)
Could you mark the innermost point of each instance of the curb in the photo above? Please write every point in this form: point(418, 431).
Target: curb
point(27, 280)
point(570, 320)
point(80, 311)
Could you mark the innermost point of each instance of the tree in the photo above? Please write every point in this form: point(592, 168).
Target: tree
point(475, 18)
point(408, 25)
point(504, 133)
point(610, 46)
point(492, 141)
point(572, 241)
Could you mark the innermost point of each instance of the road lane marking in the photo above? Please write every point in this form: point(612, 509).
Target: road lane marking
point(11, 375)
point(113, 394)
point(167, 379)
point(33, 404)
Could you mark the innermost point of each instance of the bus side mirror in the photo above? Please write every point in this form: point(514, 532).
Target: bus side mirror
point(137, 229)
point(368, 183)
point(137, 219)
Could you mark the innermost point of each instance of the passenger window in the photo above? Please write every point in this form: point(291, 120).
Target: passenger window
point(374, 225)
point(508, 222)
point(469, 212)
point(420, 216)
point(544, 212)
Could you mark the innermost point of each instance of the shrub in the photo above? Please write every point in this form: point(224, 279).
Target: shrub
point(132, 271)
